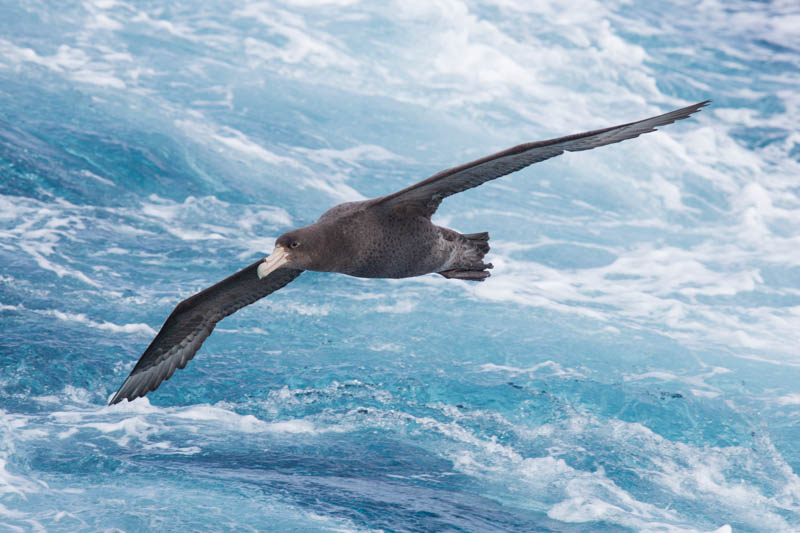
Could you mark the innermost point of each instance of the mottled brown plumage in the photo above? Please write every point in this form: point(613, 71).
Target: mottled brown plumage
point(387, 237)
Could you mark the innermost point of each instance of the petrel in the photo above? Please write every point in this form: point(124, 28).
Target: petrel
point(387, 237)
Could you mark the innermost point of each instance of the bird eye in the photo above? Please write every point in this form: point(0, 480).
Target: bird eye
point(294, 244)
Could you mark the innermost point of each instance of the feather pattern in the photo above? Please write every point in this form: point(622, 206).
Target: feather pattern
point(423, 198)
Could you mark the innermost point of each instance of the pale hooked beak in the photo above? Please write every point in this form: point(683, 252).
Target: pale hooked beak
point(278, 258)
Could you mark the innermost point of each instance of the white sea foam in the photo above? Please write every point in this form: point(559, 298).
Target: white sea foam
point(73, 61)
point(550, 368)
point(303, 45)
point(138, 426)
point(14, 484)
point(142, 426)
point(640, 287)
point(208, 218)
point(38, 251)
point(352, 156)
point(108, 326)
point(401, 306)
point(206, 131)
point(92, 175)
point(40, 231)
point(788, 399)
point(163, 25)
point(264, 215)
point(686, 473)
point(700, 381)
point(10, 427)
point(386, 347)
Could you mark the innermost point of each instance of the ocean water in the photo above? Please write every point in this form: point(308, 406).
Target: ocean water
point(631, 365)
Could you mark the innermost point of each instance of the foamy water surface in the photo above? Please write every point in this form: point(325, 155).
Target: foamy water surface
point(631, 365)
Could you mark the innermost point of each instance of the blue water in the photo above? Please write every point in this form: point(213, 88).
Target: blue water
point(631, 365)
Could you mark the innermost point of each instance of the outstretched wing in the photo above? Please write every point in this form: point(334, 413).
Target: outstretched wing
point(192, 322)
point(424, 197)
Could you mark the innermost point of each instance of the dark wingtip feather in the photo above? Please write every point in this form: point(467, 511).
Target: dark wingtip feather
point(684, 112)
point(138, 384)
point(129, 389)
point(192, 322)
point(688, 110)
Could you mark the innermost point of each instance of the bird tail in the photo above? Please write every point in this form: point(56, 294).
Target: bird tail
point(476, 246)
point(480, 241)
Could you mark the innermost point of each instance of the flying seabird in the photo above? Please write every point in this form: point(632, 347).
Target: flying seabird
point(387, 237)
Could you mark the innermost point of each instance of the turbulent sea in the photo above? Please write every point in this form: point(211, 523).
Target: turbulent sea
point(633, 363)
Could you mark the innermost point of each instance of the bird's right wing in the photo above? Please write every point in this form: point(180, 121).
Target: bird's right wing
point(423, 198)
point(192, 322)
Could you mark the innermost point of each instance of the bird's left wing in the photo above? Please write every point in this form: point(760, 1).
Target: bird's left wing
point(423, 198)
point(192, 322)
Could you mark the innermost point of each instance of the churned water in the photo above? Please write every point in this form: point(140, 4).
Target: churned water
point(631, 365)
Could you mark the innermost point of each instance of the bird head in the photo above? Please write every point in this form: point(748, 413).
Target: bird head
point(299, 248)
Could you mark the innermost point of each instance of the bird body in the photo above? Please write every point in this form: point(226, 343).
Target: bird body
point(369, 240)
point(387, 237)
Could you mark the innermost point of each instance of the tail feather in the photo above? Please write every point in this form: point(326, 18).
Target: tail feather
point(473, 268)
point(480, 241)
point(471, 275)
